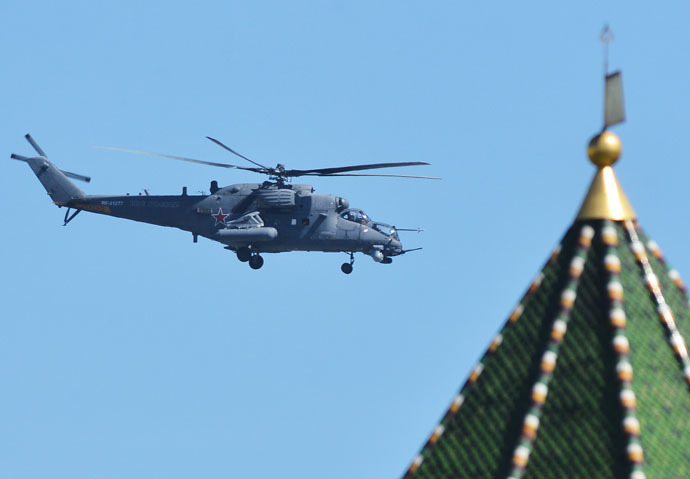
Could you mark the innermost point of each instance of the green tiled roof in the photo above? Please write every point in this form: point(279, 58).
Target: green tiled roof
point(589, 377)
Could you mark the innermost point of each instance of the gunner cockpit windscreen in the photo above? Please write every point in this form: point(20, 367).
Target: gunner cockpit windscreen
point(360, 217)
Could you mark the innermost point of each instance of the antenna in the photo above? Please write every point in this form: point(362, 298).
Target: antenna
point(614, 110)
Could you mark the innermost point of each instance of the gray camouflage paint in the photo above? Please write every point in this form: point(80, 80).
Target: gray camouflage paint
point(266, 217)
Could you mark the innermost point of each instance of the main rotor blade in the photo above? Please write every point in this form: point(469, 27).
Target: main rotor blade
point(220, 143)
point(370, 174)
point(342, 169)
point(181, 158)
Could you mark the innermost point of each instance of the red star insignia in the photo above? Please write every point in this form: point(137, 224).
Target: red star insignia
point(219, 217)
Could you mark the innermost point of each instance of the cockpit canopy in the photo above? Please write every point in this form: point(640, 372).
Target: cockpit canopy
point(360, 217)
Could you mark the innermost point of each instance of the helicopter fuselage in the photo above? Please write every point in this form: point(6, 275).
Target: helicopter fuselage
point(266, 218)
point(248, 218)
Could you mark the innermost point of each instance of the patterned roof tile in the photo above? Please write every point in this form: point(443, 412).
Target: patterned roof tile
point(588, 378)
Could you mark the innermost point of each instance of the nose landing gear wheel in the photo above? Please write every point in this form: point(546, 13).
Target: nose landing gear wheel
point(256, 262)
point(347, 267)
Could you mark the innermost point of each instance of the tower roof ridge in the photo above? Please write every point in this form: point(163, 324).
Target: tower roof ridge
point(583, 380)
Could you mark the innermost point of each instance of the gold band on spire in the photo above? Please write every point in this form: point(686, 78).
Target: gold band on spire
point(605, 198)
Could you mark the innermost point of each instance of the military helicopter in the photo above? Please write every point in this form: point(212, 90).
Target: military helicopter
point(271, 217)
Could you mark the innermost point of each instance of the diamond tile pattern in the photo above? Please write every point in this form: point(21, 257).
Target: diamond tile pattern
point(580, 433)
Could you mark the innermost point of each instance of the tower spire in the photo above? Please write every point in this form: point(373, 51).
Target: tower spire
point(605, 198)
point(581, 381)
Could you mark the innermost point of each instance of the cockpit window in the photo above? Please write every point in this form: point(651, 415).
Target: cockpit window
point(385, 229)
point(358, 216)
point(388, 230)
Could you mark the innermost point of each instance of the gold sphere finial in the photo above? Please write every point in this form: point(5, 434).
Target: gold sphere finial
point(604, 149)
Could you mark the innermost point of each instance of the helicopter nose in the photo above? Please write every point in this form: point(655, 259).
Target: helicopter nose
point(394, 247)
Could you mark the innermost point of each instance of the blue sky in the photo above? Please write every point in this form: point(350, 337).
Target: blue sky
point(128, 351)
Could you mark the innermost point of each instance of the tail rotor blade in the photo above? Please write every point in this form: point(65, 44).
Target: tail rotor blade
point(68, 174)
point(35, 145)
point(14, 156)
point(76, 176)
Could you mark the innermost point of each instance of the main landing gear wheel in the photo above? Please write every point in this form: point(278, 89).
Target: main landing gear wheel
point(347, 267)
point(256, 262)
point(244, 254)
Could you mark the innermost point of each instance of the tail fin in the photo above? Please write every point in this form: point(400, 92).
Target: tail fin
point(54, 180)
